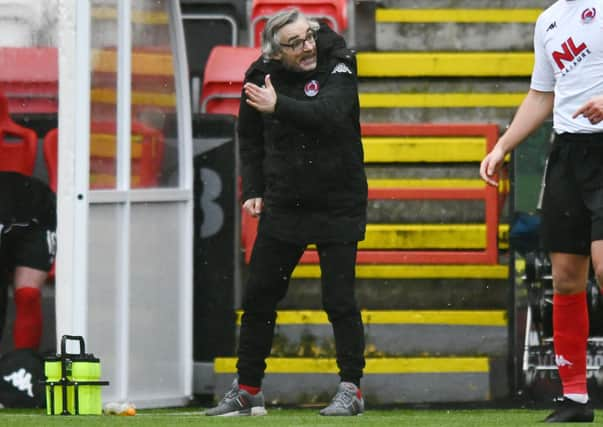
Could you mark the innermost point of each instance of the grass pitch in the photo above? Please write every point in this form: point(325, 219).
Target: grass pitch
point(289, 417)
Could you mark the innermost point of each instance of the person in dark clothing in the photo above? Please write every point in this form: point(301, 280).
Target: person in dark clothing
point(27, 250)
point(303, 175)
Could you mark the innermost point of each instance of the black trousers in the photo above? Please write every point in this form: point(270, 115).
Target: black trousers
point(270, 268)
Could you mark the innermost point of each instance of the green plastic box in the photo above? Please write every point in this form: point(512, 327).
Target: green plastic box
point(73, 385)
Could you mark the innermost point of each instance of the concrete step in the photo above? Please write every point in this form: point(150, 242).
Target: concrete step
point(386, 380)
point(308, 333)
point(454, 29)
point(429, 236)
point(499, 115)
point(442, 86)
point(441, 100)
point(410, 271)
point(465, 4)
point(410, 287)
point(423, 149)
point(400, 245)
point(425, 211)
point(424, 163)
point(391, 143)
point(425, 15)
point(445, 64)
point(427, 183)
point(437, 85)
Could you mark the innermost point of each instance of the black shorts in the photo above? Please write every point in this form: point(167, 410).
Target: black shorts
point(27, 246)
point(572, 205)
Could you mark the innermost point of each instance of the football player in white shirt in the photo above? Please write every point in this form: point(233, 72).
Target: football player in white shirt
point(567, 81)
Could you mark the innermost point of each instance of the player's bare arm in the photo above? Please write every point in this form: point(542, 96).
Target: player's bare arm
point(534, 109)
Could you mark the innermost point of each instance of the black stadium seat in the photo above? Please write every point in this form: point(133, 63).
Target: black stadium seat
point(235, 8)
point(208, 24)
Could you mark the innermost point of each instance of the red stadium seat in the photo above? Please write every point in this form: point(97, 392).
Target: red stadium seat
point(334, 12)
point(223, 79)
point(18, 145)
point(51, 141)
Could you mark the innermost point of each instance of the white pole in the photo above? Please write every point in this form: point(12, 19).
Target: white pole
point(73, 159)
point(124, 107)
point(185, 133)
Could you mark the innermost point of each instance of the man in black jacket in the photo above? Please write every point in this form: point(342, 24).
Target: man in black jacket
point(303, 175)
point(27, 249)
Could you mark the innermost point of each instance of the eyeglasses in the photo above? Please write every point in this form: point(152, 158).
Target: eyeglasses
point(298, 44)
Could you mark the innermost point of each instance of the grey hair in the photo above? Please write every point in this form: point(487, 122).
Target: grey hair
point(271, 44)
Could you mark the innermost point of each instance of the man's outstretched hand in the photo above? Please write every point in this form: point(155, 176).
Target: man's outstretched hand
point(262, 98)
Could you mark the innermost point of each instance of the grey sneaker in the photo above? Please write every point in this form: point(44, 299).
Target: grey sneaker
point(346, 402)
point(237, 402)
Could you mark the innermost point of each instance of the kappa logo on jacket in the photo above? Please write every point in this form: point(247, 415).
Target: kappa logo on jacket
point(341, 68)
point(21, 380)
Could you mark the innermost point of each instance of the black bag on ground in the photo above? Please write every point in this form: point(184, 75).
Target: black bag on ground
point(21, 379)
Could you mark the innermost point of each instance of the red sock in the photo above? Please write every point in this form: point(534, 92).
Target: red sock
point(27, 330)
point(570, 333)
point(249, 389)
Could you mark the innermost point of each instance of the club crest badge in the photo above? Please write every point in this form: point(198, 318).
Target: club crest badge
point(311, 88)
point(588, 15)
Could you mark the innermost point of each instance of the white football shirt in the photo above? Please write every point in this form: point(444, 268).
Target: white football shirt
point(568, 59)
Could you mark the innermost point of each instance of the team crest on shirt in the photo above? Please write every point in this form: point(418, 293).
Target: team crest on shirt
point(588, 15)
point(341, 68)
point(311, 88)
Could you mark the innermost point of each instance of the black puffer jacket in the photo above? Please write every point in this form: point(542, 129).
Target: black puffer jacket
point(306, 159)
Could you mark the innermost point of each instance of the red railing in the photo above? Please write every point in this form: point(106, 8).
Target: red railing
point(489, 194)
